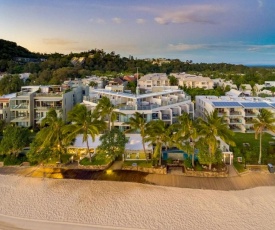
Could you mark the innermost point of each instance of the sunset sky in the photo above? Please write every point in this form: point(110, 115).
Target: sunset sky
point(232, 31)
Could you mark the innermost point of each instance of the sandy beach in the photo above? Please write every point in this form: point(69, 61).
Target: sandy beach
point(132, 205)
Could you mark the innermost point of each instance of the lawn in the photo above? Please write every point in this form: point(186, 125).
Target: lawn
point(268, 151)
point(95, 161)
point(140, 163)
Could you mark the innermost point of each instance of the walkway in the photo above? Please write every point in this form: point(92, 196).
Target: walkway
point(237, 182)
point(117, 165)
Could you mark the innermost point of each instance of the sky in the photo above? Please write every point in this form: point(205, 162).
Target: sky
point(211, 31)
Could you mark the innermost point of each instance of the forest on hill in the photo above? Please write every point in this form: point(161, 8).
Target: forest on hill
point(55, 68)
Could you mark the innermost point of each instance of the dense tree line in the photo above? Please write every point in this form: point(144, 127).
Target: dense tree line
point(58, 67)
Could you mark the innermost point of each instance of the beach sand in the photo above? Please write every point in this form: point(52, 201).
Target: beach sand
point(133, 205)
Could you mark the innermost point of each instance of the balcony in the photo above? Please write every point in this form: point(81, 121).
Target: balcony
point(57, 94)
point(166, 117)
point(20, 119)
point(235, 128)
point(20, 106)
point(235, 113)
point(235, 121)
point(251, 114)
point(48, 107)
point(221, 113)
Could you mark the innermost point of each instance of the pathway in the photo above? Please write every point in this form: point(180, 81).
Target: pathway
point(117, 165)
point(233, 182)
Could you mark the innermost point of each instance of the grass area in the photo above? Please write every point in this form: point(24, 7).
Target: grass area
point(95, 161)
point(268, 151)
point(65, 158)
point(139, 163)
point(241, 138)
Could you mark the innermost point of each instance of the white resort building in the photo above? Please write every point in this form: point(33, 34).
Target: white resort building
point(166, 105)
point(149, 81)
point(238, 112)
point(29, 106)
point(193, 81)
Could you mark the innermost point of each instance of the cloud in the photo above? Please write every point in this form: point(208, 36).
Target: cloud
point(58, 41)
point(97, 20)
point(260, 3)
point(117, 20)
point(256, 48)
point(183, 47)
point(140, 21)
point(205, 14)
point(232, 46)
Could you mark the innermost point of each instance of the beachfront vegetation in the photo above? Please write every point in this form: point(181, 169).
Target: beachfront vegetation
point(112, 144)
point(264, 122)
point(107, 111)
point(14, 139)
point(138, 124)
point(209, 129)
point(187, 135)
point(83, 122)
point(156, 135)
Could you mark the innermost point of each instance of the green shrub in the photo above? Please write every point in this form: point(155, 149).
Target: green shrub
point(85, 161)
point(169, 161)
point(198, 167)
point(188, 163)
point(13, 160)
point(238, 166)
point(2, 157)
point(96, 160)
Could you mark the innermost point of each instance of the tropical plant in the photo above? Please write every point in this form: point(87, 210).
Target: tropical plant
point(272, 89)
point(112, 143)
point(83, 122)
point(211, 128)
point(265, 121)
point(105, 108)
point(50, 136)
point(186, 135)
point(14, 139)
point(156, 134)
point(138, 123)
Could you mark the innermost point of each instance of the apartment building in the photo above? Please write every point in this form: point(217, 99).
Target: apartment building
point(149, 81)
point(238, 112)
point(166, 105)
point(5, 107)
point(29, 106)
point(193, 81)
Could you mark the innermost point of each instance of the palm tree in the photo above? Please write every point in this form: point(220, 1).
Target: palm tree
point(51, 132)
point(138, 123)
point(156, 133)
point(272, 89)
point(105, 108)
point(264, 121)
point(211, 128)
point(187, 130)
point(83, 122)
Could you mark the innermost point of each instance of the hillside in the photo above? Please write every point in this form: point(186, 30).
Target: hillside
point(10, 50)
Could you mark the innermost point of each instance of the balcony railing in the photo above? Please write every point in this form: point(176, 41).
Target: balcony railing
point(235, 113)
point(48, 107)
point(250, 114)
point(20, 106)
point(235, 121)
point(57, 94)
